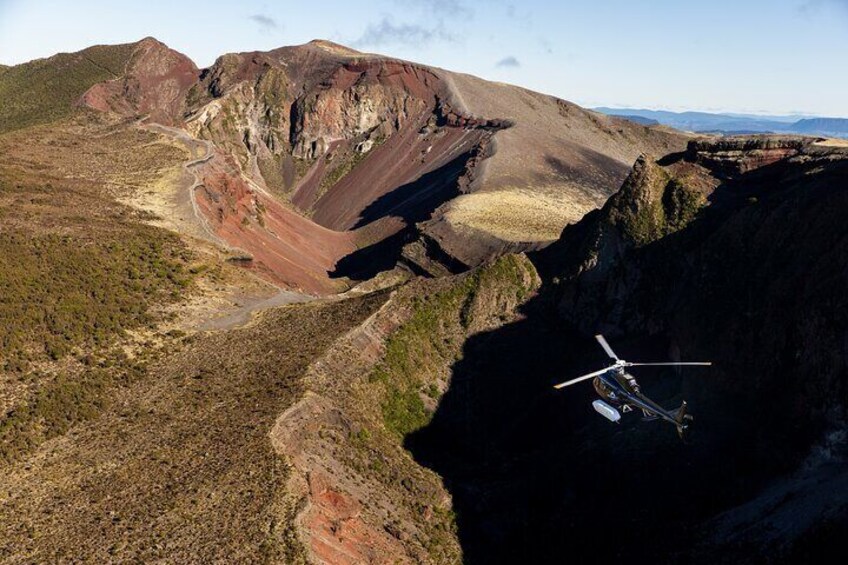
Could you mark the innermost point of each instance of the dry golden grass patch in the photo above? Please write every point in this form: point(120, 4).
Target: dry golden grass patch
point(112, 155)
point(519, 214)
point(833, 143)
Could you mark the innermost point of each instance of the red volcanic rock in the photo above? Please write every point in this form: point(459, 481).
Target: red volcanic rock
point(285, 247)
point(732, 156)
point(337, 533)
point(359, 97)
point(155, 83)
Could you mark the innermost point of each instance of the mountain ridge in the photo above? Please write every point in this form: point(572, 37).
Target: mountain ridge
point(302, 130)
point(172, 387)
point(730, 123)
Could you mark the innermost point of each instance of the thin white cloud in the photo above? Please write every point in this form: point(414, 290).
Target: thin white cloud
point(442, 9)
point(265, 22)
point(425, 22)
point(812, 6)
point(388, 33)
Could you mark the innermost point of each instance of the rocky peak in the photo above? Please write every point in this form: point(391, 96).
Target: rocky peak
point(333, 48)
point(150, 41)
point(154, 84)
point(657, 200)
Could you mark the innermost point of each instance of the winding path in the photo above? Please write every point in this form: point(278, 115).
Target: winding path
point(193, 145)
point(238, 315)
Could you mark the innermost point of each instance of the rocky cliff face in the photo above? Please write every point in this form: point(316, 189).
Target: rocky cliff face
point(733, 251)
point(683, 199)
point(743, 267)
point(693, 259)
point(733, 156)
point(363, 499)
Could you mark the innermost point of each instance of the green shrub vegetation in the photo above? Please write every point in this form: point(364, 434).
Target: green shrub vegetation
point(666, 204)
point(681, 204)
point(420, 345)
point(62, 402)
point(60, 292)
point(45, 90)
point(271, 169)
point(438, 317)
point(423, 348)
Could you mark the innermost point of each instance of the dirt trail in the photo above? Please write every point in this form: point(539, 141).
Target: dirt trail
point(245, 305)
point(251, 304)
point(201, 152)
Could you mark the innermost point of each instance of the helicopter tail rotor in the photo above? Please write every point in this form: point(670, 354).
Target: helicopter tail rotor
point(684, 421)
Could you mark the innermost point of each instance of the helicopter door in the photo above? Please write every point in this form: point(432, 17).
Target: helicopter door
point(604, 391)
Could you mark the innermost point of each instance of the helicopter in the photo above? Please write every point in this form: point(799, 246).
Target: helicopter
point(620, 391)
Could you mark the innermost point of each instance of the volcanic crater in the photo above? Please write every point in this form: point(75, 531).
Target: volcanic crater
point(326, 166)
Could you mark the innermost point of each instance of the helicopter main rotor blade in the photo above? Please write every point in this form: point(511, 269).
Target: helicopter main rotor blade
point(583, 378)
point(606, 347)
point(668, 364)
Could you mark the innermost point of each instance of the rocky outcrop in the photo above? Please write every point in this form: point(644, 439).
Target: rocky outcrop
point(754, 281)
point(360, 98)
point(599, 260)
point(154, 84)
point(655, 201)
point(731, 156)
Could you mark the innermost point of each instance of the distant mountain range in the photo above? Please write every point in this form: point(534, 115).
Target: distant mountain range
point(706, 122)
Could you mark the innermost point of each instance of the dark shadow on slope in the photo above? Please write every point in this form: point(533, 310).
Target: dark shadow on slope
point(365, 263)
point(413, 202)
point(596, 170)
point(537, 476)
point(416, 200)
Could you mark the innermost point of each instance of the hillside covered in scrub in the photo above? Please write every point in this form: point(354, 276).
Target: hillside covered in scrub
point(307, 306)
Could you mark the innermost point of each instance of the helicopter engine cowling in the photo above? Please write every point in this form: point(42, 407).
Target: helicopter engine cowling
point(606, 411)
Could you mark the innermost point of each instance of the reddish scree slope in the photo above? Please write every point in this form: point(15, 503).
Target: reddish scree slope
point(358, 198)
point(283, 246)
point(415, 152)
point(425, 138)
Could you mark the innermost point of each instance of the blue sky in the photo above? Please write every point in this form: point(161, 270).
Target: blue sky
point(758, 56)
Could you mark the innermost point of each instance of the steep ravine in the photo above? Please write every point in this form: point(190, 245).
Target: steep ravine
point(362, 497)
point(740, 276)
